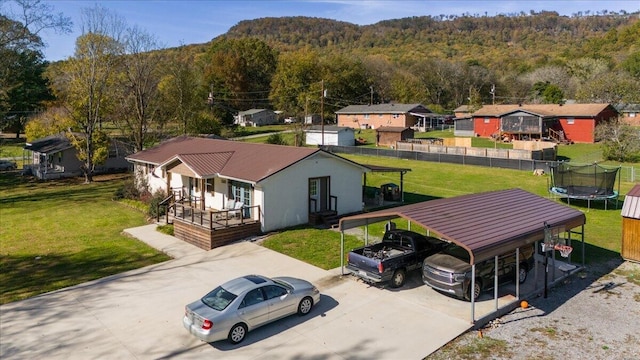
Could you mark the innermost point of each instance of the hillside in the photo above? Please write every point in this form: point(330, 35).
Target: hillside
point(507, 42)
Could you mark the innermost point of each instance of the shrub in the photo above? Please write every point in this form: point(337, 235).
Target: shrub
point(155, 199)
point(128, 190)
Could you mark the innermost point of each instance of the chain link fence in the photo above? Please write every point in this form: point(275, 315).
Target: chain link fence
point(626, 173)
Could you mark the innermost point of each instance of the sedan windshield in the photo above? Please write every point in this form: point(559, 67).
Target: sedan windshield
point(218, 299)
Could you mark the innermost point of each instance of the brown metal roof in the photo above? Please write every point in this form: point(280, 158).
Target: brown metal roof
point(486, 224)
point(577, 110)
point(232, 159)
point(631, 207)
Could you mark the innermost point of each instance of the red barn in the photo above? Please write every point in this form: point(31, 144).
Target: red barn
point(566, 122)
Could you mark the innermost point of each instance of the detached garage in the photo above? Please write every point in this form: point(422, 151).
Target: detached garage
point(488, 225)
point(631, 225)
point(330, 135)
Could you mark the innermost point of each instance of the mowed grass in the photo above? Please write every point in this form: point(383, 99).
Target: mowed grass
point(60, 233)
point(427, 181)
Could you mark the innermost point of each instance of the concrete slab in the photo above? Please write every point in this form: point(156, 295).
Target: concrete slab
point(138, 314)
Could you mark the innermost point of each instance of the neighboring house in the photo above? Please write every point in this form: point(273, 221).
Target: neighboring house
point(330, 135)
point(313, 119)
point(375, 116)
point(278, 186)
point(389, 135)
point(560, 122)
point(54, 157)
point(462, 111)
point(629, 113)
point(256, 117)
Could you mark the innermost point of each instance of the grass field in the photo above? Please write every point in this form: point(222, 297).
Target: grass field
point(426, 181)
point(61, 233)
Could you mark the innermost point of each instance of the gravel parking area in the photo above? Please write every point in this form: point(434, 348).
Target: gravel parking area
point(594, 314)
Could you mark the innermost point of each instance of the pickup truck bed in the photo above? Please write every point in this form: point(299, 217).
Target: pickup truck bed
point(399, 252)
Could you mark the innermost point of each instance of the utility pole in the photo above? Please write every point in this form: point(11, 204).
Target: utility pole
point(371, 101)
point(322, 94)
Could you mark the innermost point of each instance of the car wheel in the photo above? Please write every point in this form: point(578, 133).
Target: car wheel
point(237, 333)
point(305, 306)
point(397, 280)
point(477, 289)
point(522, 274)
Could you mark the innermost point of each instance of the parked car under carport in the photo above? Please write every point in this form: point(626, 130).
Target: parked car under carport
point(486, 224)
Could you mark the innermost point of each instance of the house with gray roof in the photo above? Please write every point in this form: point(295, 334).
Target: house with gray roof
point(223, 189)
point(54, 157)
point(256, 117)
point(377, 115)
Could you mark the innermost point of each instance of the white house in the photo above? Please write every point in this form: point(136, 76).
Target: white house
point(330, 135)
point(256, 117)
point(282, 186)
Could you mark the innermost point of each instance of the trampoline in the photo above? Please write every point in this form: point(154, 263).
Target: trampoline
point(584, 182)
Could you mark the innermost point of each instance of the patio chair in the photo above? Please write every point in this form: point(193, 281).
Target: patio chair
point(237, 209)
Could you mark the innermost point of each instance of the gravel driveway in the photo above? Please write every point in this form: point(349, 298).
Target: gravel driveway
point(594, 314)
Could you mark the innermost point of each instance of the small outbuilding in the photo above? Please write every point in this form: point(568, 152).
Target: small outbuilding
point(631, 225)
point(330, 135)
point(389, 135)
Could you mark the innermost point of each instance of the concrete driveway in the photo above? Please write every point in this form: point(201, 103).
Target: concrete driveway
point(138, 314)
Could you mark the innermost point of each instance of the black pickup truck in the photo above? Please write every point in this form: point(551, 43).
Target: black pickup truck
point(389, 260)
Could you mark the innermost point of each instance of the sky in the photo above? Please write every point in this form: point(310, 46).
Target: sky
point(175, 23)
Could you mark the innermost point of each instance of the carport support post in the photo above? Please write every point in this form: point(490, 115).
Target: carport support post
point(495, 281)
point(471, 294)
point(518, 273)
point(342, 252)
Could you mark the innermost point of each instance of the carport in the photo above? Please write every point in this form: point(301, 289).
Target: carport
point(487, 225)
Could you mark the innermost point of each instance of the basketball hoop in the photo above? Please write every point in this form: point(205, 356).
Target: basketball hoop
point(564, 250)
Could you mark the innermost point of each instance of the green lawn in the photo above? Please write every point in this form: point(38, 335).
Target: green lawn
point(427, 180)
point(60, 233)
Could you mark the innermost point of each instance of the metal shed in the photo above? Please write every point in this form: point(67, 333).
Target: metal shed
point(485, 224)
point(631, 225)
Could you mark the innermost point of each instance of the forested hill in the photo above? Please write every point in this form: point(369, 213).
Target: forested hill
point(506, 41)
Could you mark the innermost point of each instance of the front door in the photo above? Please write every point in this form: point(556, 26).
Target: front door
point(241, 192)
point(318, 194)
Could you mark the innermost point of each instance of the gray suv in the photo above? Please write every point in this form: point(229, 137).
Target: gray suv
point(449, 271)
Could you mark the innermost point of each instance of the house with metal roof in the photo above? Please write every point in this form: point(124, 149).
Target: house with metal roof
point(256, 117)
point(214, 185)
point(563, 123)
point(631, 225)
point(377, 115)
point(54, 157)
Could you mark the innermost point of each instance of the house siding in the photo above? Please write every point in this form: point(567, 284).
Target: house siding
point(486, 129)
point(289, 190)
point(341, 138)
point(581, 131)
point(374, 121)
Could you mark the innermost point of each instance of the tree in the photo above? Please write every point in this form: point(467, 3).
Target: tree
point(240, 71)
point(52, 121)
point(181, 92)
point(139, 100)
point(290, 86)
point(29, 92)
point(620, 142)
point(20, 58)
point(85, 84)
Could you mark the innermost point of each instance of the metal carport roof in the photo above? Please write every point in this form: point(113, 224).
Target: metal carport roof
point(486, 224)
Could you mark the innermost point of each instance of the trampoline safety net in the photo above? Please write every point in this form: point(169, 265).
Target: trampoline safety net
point(583, 181)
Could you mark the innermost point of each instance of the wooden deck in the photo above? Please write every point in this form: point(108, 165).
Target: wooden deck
point(209, 228)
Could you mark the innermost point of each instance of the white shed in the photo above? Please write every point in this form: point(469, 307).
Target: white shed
point(333, 135)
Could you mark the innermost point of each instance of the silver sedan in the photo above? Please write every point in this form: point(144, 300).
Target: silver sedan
point(243, 304)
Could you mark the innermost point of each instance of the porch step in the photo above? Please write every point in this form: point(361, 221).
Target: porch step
point(330, 219)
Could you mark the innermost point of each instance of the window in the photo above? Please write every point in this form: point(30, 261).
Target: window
point(395, 116)
point(571, 121)
point(486, 120)
point(209, 186)
point(274, 291)
point(366, 116)
point(632, 114)
point(253, 297)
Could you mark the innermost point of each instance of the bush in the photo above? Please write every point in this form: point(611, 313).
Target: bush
point(128, 190)
point(276, 139)
point(155, 199)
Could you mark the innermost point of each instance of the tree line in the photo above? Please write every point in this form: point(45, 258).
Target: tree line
point(123, 76)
